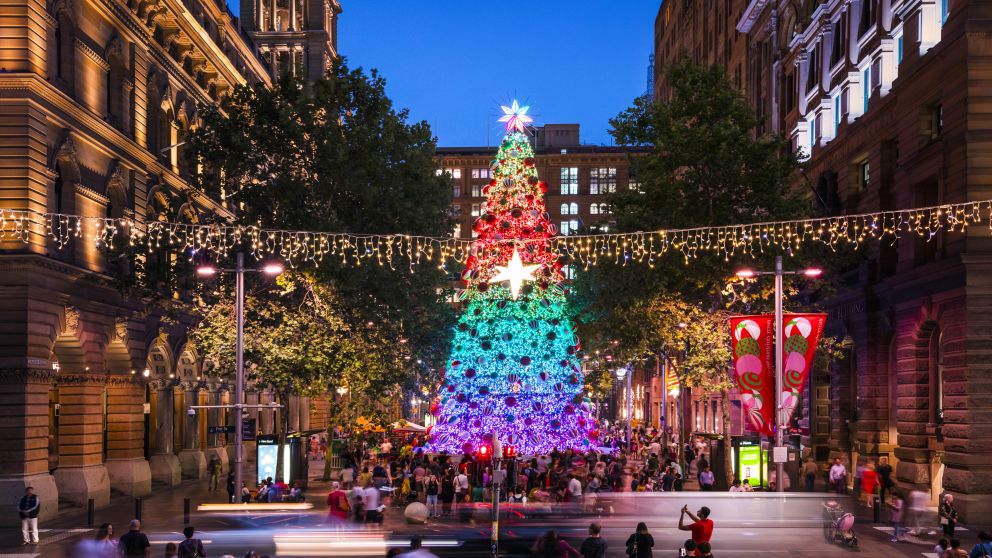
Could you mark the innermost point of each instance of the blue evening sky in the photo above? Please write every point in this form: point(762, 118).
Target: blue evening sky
point(451, 62)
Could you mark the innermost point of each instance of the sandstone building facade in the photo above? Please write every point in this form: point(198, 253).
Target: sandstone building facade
point(95, 97)
point(885, 99)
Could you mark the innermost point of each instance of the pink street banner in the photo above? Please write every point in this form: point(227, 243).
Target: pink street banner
point(801, 334)
point(751, 339)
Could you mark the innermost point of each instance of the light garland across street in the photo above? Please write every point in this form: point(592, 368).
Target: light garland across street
point(392, 250)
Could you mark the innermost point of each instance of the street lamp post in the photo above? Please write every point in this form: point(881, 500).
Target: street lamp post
point(780, 420)
point(239, 367)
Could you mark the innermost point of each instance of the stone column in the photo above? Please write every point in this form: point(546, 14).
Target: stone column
point(81, 474)
point(129, 471)
point(292, 15)
point(191, 458)
point(304, 414)
point(215, 417)
point(266, 417)
point(24, 439)
point(163, 463)
point(272, 16)
point(251, 398)
point(294, 413)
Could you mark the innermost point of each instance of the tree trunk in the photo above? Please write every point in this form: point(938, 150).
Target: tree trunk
point(728, 462)
point(283, 433)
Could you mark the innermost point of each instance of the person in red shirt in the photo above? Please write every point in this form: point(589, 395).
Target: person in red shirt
point(701, 526)
point(869, 483)
point(337, 504)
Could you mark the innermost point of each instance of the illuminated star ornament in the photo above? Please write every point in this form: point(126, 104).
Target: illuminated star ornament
point(516, 273)
point(515, 117)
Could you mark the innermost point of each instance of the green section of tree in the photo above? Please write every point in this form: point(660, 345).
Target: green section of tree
point(707, 167)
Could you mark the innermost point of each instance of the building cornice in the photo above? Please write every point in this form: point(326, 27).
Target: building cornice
point(751, 14)
point(92, 54)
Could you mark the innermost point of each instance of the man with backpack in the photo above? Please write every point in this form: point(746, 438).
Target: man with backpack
point(191, 548)
point(984, 547)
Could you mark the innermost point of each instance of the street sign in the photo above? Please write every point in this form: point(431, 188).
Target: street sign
point(220, 429)
point(249, 429)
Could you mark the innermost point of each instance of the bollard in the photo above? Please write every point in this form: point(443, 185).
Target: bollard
point(185, 511)
point(90, 507)
point(137, 509)
point(877, 509)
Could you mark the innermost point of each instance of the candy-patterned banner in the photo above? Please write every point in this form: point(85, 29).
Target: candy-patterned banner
point(751, 339)
point(801, 334)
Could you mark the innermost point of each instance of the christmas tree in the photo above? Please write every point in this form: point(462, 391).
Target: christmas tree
point(514, 368)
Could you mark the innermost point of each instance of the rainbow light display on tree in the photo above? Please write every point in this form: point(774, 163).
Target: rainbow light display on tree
point(514, 368)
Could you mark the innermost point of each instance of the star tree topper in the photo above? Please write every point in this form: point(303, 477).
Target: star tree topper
point(515, 117)
point(516, 273)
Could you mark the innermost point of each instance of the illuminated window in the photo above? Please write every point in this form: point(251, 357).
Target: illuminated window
point(476, 209)
point(476, 190)
point(569, 181)
point(602, 180)
point(481, 173)
point(569, 227)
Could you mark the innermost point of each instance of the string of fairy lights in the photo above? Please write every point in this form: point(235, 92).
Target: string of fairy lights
point(397, 250)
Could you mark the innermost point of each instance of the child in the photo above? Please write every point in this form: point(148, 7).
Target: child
point(895, 516)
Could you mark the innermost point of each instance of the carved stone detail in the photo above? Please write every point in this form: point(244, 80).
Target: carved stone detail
point(120, 330)
point(26, 376)
point(82, 379)
point(71, 325)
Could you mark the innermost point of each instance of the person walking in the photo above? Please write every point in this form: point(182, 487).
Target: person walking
point(104, 544)
point(869, 483)
point(447, 492)
point(432, 488)
point(595, 545)
point(706, 479)
point(896, 515)
point(191, 548)
point(462, 489)
point(417, 549)
point(574, 488)
point(838, 477)
point(948, 515)
point(885, 482)
point(810, 470)
point(984, 547)
point(337, 504)
point(214, 468)
point(701, 526)
point(28, 508)
point(134, 543)
point(640, 542)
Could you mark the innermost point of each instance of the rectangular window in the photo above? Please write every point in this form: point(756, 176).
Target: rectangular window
point(569, 181)
point(602, 180)
point(455, 173)
point(477, 190)
point(814, 69)
point(457, 232)
point(936, 121)
point(563, 229)
point(864, 175)
point(456, 190)
point(836, 113)
point(876, 74)
point(476, 209)
point(867, 16)
point(456, 210)
point(899, 50)
point(844, 108)
point(481, 173)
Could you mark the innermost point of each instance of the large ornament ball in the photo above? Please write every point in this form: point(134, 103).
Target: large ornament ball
point(415, 513)
point(467, 447)
point(538, 406)
point(569, 410)
point(511, 401)
point(525, 360)
point(470, 372)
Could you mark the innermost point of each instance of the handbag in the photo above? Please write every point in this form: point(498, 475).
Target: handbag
point(632, 547)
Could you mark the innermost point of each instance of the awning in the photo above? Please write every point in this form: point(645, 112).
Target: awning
point(407, 426)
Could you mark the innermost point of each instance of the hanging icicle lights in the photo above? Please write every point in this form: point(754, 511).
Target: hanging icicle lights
point(396, 250)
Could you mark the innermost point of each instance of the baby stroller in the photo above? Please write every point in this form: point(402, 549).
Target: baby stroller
point(838, 526)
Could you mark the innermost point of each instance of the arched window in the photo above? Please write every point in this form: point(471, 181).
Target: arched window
point(564, 209)
point(936, 373)
point(65, 47)
point(574, 208)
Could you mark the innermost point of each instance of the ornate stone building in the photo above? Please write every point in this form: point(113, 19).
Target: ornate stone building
point(883, 98)
point(95, 97)
point(294, 36)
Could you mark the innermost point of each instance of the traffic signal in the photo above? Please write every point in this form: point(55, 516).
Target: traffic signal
point(510, 451)
point(483, 451)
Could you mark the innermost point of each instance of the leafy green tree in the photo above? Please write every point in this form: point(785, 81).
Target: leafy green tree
point(334, 155)
point(707, 167)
